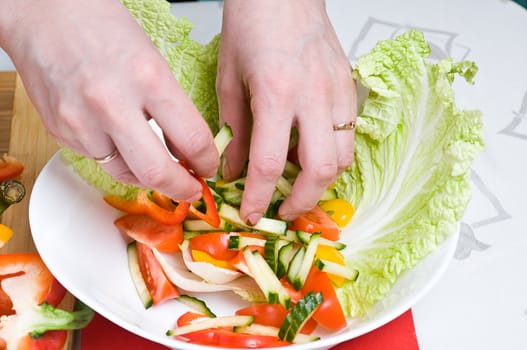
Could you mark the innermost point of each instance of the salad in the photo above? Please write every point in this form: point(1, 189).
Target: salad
point(286, 270)
point(409, 184)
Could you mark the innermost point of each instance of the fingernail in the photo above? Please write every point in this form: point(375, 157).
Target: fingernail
point(252, 219)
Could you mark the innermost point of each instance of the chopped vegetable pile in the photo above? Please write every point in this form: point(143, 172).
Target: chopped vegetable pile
point(404, 194)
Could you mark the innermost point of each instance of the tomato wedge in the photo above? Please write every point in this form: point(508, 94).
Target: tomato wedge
point(10, 167)
point(330, 314)
point(144, 229)
point(273, 315)
point(160, 288)
point(317, 220)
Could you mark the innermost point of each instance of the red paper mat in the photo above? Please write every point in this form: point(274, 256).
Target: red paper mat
point(399, 334)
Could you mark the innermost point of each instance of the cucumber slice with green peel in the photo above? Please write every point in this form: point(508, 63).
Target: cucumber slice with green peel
point(299, 315)
point(237, 242)
point(259, 329)
point(302, 264)
point(265, 278)
point(304, 237)
point(203, 226)
point(295, 265)
point(216, 322)
point(196, 304)
point(271, 250)
point(223, 138)
point(137, 277)
point(265, 225)
point(285, 254)
point(336, 269)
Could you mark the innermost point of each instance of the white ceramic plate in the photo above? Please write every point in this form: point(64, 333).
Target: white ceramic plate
point(74, 233)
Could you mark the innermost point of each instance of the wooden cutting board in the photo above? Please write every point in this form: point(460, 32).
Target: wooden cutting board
point(30, 143)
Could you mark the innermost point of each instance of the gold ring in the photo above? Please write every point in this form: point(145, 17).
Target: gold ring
point(344, 126)
point(108, 158)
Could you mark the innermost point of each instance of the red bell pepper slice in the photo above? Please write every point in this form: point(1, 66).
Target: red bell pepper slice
point(228, 339)
point(10, 167)
point(211, 215)
point(29, 294)
point(143, 204)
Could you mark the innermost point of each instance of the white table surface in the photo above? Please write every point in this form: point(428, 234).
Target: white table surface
point(481, 301)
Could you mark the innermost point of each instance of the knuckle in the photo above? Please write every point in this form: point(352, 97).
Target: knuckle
point(197, 142)
point(155, 176)
point(325, 173)
point(268, 168)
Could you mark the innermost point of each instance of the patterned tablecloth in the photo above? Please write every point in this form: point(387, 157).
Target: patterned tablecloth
point(481, 301)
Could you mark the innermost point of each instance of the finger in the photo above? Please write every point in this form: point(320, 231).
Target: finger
point(345, 111)
point(268, 153)
point(235, 111)
point(318, 159)
point(150, 162)
point(187, 134)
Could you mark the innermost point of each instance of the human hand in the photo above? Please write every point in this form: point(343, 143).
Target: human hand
point(282, 66)
point(96, 78)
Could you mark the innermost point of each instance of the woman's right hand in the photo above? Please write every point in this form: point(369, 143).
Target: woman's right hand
point(96, 79)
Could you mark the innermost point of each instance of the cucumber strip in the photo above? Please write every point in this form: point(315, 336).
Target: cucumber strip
point(295, 266)
point(259, 329)
point(284, 186)
point(271, 250)
point(196, 304)
point(266, 279)
point(216, 322)
point(237, 242)
point(266, 225)
point(223, 138)
point(304, 237)
point(285, 254)
point(298, 316)
point(301, 269)
point(291, 170)
point(137, 277)
point(203, 226)
point(336, 269)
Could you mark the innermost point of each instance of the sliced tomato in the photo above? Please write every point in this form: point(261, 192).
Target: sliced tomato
point(229, 339)
point(317, 220)
point(10, 167)
point(144, 229)
point(273, 315)
point(330, 314)
point(159, 286)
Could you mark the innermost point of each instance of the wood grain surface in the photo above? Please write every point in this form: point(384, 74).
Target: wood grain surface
point(23, 136)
